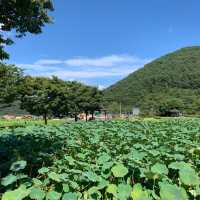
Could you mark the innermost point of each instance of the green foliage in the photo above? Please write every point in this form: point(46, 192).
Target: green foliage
point(92, 99)
point(8, 180)
point(44, 97)
point(10, 80)
point(56, 98)
point(170, 82)
point(53, 195)
point(169, 192)
point(119, 170)
point(12, 109)
point(17, 194)
point(82, 98)
point(140, 160)
point(138, 193)
point(159, 169)
point(17, 166)
point(167, 106)
point(25, 122)
point(37, 194)
point(22, 16)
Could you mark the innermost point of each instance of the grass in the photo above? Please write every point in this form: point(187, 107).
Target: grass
point(29, 122)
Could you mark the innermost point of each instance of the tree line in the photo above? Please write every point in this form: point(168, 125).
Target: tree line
point(48, 97)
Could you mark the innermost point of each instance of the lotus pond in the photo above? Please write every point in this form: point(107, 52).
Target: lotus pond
point(140, 160)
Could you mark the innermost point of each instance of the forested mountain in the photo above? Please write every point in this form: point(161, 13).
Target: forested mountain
point(171, 81)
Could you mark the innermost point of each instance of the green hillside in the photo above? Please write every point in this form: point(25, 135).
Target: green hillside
point(172, 80)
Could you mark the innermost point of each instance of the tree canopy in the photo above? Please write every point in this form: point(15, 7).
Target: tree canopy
point(22, 16)
point(52, 97)
point(10, 79)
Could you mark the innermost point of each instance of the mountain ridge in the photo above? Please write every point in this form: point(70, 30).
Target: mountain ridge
point(168, 75)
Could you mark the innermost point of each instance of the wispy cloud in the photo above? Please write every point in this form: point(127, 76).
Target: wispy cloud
point(69, 74)
point(79, 68)
point(48, 62)
point(107, 61)
point(101, 87)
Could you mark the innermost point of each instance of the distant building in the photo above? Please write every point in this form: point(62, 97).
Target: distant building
point(9, 117)
point(136, 111)
point(175, 113)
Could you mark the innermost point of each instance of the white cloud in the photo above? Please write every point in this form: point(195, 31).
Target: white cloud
point(37, 67)
point(101, 87)
point(86, 68)
point(107, 61)
point(48, 62)
point(68, 74)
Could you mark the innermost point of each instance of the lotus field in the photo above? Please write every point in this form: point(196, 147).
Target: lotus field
point(140, 160)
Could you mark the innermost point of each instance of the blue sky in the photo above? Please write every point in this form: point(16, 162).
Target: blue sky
point(100, 42)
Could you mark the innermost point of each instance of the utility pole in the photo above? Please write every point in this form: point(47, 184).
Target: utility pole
point(120, 109)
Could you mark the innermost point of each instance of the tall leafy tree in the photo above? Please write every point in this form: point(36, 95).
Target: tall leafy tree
point(75, 98)
point(168, 105)
point(91, 100)
point(22, 16)
point(43, 97)
point(82, 98)
point(57, 98)
point(95, 100)
point(10, 80)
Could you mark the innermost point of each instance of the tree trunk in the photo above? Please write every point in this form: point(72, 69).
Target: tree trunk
point(76, 118)
point(86, 116)
point(45, 118)
point(92, 115)
point(105, 113)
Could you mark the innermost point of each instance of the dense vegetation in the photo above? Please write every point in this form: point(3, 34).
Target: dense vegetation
point(170, 82)
point(12, 109)
point(47, 97)
point(102, 160)
point(16, 123)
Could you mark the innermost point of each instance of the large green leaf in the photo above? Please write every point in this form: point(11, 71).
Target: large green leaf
point(139, 194)
point(119, 170)
point(17, 194)
point(19, 165)
point(43, 170)
point(123, 191)
point(159, 169)
point(172, 192)
point(54, 176)
point(8, 180)
point(189, 177)
point(179, 165)
point(93, 193)
point(103, 158)
point(70, 196)
point(136, 155)
point(53, 195)
point(37, 194)
point(91, 176)
point(112, 189)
